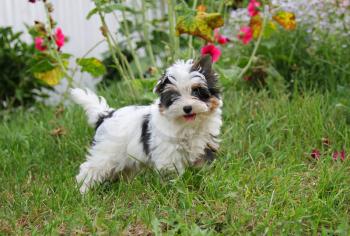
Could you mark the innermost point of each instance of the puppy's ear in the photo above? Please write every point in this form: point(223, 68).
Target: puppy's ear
point(161, 84)
point(203, 65)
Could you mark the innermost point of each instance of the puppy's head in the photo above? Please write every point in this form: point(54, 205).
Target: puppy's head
point(188, 90)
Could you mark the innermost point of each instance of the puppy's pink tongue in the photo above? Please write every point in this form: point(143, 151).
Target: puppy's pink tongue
point(191, 117)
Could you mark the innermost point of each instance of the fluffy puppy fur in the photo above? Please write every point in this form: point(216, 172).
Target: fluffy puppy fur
point(179, 129)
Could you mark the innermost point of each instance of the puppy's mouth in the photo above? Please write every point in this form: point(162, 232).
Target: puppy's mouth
point(190, 117)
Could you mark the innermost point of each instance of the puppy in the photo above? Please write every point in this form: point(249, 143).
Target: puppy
point(179, 129)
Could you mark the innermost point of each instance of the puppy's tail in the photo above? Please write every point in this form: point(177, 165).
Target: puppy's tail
point(94, 106)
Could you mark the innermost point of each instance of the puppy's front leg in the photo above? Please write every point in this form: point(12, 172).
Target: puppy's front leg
point(172, 164)
point(208, 157)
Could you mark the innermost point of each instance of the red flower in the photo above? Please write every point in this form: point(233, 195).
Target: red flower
point(212, 50)
point(342, 155)
point(39, 44)
point(59, 38)
point(253, 7)
point(220, 38)
point(336, 154)
point(245, 34)
point(315, 153)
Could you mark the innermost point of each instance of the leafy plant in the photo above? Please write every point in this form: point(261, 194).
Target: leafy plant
point(49, 63)
point(17, 83)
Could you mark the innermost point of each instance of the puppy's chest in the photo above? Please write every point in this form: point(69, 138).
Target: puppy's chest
point(188, 144)
point(191, 140)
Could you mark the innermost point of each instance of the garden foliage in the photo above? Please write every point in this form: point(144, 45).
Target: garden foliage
point(283, 165)
point(16, 81)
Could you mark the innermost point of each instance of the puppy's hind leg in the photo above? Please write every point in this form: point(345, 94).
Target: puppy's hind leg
point(98, 167)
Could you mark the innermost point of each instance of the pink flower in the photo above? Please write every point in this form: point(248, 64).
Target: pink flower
point(59, 38)
point(253, 7)
point(315, 153)
point(212, 50)
point(342, 155)
point(220, 38)
point(245, 34)
point(336, 154)
point(345, 3)
point(39, 44)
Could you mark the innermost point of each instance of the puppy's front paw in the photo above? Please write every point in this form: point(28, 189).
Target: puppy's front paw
point(82, 182)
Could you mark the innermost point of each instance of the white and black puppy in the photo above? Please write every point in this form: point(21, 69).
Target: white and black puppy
point(179, 129)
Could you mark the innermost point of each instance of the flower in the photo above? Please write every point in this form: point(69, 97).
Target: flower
point(245, 34)
point(59, 38)
point(215, 52)
point(32, 1)
point(39, 44)
point(315, 153)
point(220, 38)
point(342, 155)
point(345, 3)
point(336, 154)
point(253, 7)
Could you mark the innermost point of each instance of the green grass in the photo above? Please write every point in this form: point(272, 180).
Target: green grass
point(264, 180)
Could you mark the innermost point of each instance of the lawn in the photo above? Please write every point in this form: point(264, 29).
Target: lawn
point(265, 180)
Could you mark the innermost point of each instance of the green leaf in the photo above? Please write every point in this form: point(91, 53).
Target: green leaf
point(92, 66)
point(42, 65)
point(91, 13)
point(108, 8)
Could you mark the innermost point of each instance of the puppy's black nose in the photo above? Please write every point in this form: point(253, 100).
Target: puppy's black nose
point(187, 109)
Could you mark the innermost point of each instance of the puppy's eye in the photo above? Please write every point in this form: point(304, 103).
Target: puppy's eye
point(167, 98)
point(201, 93)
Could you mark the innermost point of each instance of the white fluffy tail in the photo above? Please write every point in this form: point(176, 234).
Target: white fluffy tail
point(94, 106)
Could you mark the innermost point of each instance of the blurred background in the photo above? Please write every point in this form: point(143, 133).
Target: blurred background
point(71, 16)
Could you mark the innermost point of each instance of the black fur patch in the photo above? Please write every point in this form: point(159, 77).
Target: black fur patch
point(162, 83)
point(168, 97)
point(209, 155)
point(201, 93)
point(145, 134)
point(103, 117)
point(204, 66)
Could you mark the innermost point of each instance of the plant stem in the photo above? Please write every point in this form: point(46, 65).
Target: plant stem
point(172, 33)
point(113, 51)
point(221, 7)
point(190, 40)
point(257, 44)
point(146, 33)
point(53, 51)
point(132, 50)
point(116, 47)
point(111, 40)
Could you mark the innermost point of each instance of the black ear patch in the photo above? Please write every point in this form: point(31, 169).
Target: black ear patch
point(204, 63)
point(204, 66)
point(162, 82)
